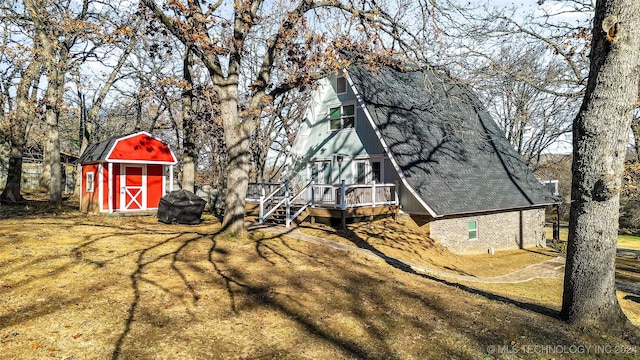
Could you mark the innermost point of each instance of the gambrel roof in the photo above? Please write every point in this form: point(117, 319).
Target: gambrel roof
point(140, 147)
point(447, 148)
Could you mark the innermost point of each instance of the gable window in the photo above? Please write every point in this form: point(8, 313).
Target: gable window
point(89, 182)
point(342, 117)
point(341, 85)
point(473, 229)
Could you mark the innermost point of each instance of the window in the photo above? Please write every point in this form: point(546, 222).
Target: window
point(473, 229)
point(551, 186)
point(342, 117)
point(89, 182)
point(341, 85)
point(361, 172)
point(321, 172)
point(376, 172)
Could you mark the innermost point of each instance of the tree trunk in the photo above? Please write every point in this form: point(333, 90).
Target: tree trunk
point(11, 193)
point(45, 177)
point(600, 139)
point(238, 141)
point(635, 129)
point(55, 77)
point(17, 139)
point(188, 133)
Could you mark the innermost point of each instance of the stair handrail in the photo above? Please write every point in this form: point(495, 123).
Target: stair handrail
point(264, 199)
point(304, 206)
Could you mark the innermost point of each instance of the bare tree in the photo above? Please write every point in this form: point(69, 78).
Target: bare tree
point(189, 150)
point(276, 132)
point(532, 120)
point(25, 65)
point(67, 35)
point(128, 32)
point(56, 56)
point(221, 43)
point(529, 68)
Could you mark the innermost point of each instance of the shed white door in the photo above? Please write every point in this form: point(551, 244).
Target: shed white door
point(133, 193)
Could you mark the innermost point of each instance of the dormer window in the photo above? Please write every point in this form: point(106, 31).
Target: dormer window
point(342, 117)
point(341, 85)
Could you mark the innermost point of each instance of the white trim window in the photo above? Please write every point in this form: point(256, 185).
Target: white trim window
point(341, 85)
point(90, 182)
point(360, 176)
point(376, 171)
point(365, 171)
point(342, 117)
point(472, 226)
point(320, 172)
point(551, 186)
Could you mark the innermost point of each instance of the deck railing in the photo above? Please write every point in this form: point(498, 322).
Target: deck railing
point(272, 196)
point(257, 190)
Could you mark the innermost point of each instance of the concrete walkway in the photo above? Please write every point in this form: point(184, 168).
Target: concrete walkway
point(551, 269)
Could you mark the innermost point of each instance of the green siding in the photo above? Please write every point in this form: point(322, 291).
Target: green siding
point(317, 142)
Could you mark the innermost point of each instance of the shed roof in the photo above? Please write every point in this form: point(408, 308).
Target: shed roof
point(140, 147)
point(447, 147)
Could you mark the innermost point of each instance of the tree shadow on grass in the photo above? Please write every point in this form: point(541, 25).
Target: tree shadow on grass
point(401, 265)
point(137, 277)
point(319, 293)
point(35, 208)
point(232, 278)
point(443, 310)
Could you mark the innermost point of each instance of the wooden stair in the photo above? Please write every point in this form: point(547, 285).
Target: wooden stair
point(280, 215)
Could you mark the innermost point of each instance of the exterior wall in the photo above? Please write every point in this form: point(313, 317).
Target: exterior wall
point(104, 183)
point(155, 188)
point(115, 190)
point(500, 231)
point(408, 202)
point(90, 201)
point(316, 142)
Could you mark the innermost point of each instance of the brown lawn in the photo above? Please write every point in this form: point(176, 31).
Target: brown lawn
point(100, 287)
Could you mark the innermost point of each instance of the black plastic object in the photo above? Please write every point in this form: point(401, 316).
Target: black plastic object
point(181, 207)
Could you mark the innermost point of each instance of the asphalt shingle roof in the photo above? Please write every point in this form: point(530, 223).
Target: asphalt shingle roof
point(97, 152)
point(448, 147)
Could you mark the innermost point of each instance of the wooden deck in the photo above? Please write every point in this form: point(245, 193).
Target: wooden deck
point(321, 201)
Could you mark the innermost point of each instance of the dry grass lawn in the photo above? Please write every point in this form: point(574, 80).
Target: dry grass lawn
point(77, 286)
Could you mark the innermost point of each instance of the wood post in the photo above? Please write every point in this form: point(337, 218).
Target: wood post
point(373, 193)
point(287, 204)
point(313, 194)
point(556, 223)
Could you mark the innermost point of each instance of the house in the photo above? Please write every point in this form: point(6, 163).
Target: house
point(454, 172)
point(125, 174)
point(33, 166)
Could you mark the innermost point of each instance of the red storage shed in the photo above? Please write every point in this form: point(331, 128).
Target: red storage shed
point(125, 173)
